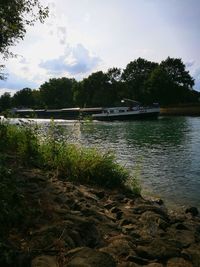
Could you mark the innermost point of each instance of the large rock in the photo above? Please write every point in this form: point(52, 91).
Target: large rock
point(87, 257)
point(160, 249)
point(193, 252)
point(178, 262)
point(120, 245)
point(155, 264)
point(44, 261)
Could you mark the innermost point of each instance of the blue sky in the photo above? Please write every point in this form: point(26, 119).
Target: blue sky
point(83, 36)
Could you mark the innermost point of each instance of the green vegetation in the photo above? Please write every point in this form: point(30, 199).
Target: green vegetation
point(166, 83)
point(15, 16)
point(67, 161)
point(22, 151)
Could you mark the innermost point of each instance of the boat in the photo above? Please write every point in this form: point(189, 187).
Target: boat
point(134, 112)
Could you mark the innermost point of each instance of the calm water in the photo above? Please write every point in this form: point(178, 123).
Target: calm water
point(164, 153)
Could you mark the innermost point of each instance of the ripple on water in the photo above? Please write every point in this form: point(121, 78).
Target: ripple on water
point(165, 153)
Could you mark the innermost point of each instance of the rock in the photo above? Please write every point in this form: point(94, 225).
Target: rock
point(178, 262)
point(120, 197)
point(44, 261)
point(159, 249)
point(184, 237)
point(155, 264)
point(87, 257)
point(119, 215)
point(136, 259)
point(128, 264)
point(120, 246)
point(181, 226)
point(110, 205)
point(89, 233)
point(193, 210)
point(115, 210)
point(152, 224)
point(193, 254)
point(100, 194)
point(144, 208)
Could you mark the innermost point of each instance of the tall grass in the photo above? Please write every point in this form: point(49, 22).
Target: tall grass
point(67, 161)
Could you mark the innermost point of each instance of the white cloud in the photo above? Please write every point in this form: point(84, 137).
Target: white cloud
point(76, 60)
point(197, 79)
point(7, 90)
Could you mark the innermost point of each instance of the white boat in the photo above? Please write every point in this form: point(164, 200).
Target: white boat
point(128, 113)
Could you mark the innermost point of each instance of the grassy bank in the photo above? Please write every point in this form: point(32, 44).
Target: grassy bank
point(66, 161)
point(22, 150)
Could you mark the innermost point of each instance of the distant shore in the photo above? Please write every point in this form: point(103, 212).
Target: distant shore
point(186, 110)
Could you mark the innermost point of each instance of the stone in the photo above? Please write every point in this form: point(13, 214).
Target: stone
point(121, 246)
point(155, 264)
point(89, 233)
point(192, 210)
point(115, 210)
point(160, 249)
point(178, 262)
point(184, 237)
point(181, 226)
point(100, 194)
point(44, 261)
point(119, 215)
point(87, 257)
point(128, 264)
point(139, 209)
point(136, 259)
point(193, 253)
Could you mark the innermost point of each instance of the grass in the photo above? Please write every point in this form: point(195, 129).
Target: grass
point(68, 161)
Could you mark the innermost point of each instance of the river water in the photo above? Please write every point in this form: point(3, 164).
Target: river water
point(164, 154)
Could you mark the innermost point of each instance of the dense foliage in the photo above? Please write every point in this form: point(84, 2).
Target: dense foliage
point(166, 83)
point(15, 15)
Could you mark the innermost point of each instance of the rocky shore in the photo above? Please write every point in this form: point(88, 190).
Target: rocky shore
point(80, 226)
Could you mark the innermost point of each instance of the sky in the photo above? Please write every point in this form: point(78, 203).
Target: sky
point(84, 36)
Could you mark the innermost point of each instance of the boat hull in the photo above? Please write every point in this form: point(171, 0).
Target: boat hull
point(120, 117)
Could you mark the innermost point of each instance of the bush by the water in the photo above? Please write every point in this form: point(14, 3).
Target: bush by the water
point(68, 161)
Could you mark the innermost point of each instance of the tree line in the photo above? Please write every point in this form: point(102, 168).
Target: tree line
point(166, 83)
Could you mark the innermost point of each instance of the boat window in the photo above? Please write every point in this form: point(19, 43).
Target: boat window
point(121, 110)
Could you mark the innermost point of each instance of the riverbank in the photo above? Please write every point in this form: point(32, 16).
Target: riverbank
point(182, 110)
point(76, 225)
point(48, 219)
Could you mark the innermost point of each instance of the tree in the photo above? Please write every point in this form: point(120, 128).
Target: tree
point(15, 15)
point(23, 98)
point(114, 75)
point(159, 87)
point(117, 88)
point(57, 93)
point(5, 101)
point(176, 71)
point(2, 75)
point(170, 83)
point(95, 91)
point(134, 75)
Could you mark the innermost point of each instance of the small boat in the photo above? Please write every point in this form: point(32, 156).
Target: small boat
point(128, 113)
